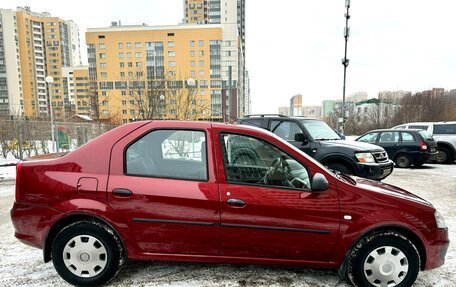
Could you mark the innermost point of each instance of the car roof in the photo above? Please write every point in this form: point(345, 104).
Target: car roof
point(395, 130)
point(282, 117)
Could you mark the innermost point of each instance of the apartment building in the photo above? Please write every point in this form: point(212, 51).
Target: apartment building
point(137, 67)
point(225, 12)
point(35, 45)
point(296, 105)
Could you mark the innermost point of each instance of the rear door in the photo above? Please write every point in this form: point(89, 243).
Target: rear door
point(287, 130)
point(265, 217)
point(162, 183)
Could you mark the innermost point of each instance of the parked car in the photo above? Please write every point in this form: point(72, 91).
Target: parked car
point(321, 142)
point(170, 190)
point(404, 146)
point(444, 134)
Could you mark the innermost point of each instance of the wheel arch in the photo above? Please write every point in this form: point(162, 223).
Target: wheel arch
point(70, 219)
point(448, 146)
point(409, 234)
point(338, 158)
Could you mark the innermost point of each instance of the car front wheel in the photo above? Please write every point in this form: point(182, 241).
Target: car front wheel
point(86, 254)
point(384, 259)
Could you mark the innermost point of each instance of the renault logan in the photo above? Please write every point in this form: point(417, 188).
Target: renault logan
point(209, 192)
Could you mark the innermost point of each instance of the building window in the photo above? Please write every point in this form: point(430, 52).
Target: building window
point(122, 74)
point(130, 64)
point(201, 63)
point(128, 44)
point(202, 73)
point(122, 64)
point(123, 93)
point(200, 43)
point(124, 112)
point(192, 74)
point(120, 46)
point(170, 43)
point(101, 46)
point(228, 43)
point(192, 53)
point(138, 54)
point(138, 64)
point(124, 102)
point(102, 55)
point(102, 65)
point(103, 74)
point(138, 45)
point(192, 43)
point(228, 53)
point(128, 54)
point(121, 55)
point(171, 53)
point(171, 64)
point(192, 63)
point(200, 53)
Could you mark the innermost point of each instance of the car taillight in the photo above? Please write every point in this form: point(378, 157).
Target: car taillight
point(423, 146)
point(18, 179)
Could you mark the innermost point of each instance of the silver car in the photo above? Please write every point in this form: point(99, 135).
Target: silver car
point(444, 134)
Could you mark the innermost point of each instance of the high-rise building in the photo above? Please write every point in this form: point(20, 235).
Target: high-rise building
point(296, 105)
point(75, 85)
point(327, 106)
point(247, 100)
point(225, 12)
point(127, 61)
point(284, 111)
point(392, 97)
point(311, 111)
point(36, 45)
point(357, 97)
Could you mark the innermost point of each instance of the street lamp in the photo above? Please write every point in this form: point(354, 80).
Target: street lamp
point(345, 61)
point(50, 81)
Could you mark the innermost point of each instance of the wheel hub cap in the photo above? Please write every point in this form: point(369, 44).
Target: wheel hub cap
point(386, 266)
point(85, 256)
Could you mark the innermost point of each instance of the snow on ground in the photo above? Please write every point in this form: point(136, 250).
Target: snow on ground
point(22, 265)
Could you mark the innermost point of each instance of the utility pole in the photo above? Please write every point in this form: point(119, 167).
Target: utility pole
point(345, 62)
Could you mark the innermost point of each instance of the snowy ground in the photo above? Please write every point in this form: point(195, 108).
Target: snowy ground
point(22, 265)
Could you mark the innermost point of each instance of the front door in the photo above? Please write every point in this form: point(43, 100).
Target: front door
point(267, 207)
point(287, 130)
point(164, 185)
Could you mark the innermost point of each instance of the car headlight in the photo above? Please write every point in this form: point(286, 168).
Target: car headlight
point(365, 157)
point(439, 219)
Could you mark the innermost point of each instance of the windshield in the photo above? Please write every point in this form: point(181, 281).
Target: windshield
point(319, 130)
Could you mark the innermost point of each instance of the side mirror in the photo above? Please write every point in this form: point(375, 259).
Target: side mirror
point(319, 182)
point(301, 138)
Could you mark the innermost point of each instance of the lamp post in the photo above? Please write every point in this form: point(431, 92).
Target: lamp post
point(345, 62)
point(162, 106)
point(50, 81)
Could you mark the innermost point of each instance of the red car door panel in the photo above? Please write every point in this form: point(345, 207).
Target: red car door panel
point(167, 215)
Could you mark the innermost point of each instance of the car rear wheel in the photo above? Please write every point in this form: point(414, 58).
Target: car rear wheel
point(384, 259)
point(343, 168)
point(444, 155)
point(402, 161)
point(86, 254)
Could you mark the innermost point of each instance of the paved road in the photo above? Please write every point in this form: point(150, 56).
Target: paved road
point(23, 265)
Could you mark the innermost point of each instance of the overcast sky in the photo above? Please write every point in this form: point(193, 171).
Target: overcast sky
point(295, 46)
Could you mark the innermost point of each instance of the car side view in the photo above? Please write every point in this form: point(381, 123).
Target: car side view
point(405, 146)
point(211, 192)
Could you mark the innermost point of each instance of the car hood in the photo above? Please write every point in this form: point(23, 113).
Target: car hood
point(389, 190)
point(358, 146)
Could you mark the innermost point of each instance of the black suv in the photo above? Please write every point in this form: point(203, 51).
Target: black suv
point(320, 141)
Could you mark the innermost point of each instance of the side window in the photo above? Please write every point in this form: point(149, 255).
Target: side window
point(252, 161)
point(177, 154)
point(254, 122)
point(407, 137)
point(448, 129)
point(389, 137)
point(369, 138)
point(285, 129)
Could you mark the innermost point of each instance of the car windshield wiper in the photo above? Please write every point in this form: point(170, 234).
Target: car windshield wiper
point(325, 139)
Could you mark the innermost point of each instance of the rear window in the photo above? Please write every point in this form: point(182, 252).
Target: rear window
point(425, 135)
point(448, 129)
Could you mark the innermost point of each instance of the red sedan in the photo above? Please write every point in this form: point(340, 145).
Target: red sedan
point(209, 192)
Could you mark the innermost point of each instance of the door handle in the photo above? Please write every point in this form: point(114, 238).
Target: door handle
point(122, 192)
point(236, 203)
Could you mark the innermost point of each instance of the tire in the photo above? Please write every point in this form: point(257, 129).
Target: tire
point(402, 161)
point(384, 257)
point(74, 250)
point(343, 168)
point(444, 156)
